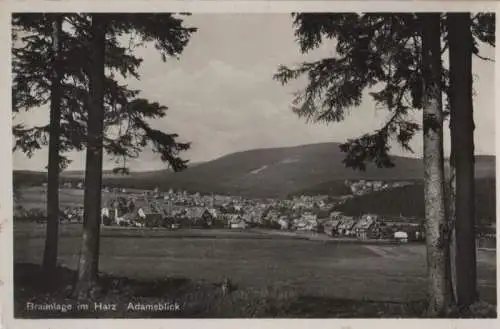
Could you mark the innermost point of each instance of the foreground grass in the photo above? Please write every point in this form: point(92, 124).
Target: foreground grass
point(190, 299)
point(257, 263)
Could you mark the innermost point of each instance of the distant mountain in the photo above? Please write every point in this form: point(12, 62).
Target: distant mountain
point(31, 177)
point(274, 172)
point(277, 172)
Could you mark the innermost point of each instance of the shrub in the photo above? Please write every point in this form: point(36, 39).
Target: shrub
point(107, 220)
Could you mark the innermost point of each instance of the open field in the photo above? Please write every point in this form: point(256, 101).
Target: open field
point(253, 260)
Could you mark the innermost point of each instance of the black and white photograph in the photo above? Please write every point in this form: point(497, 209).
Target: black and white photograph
point(286, 164)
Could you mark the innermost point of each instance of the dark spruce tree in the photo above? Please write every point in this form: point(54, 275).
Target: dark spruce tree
point(381, 52)
point(89, 254)
point(31, 89)
point(386, 50)
point(29, 81)
point(465, 32)
point(462, 28)
point(440, 294)
point(171, 39)
point(51, 242)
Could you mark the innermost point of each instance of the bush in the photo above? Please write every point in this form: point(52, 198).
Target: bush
point(107, 220)
point(217, 223)
point(154, 220)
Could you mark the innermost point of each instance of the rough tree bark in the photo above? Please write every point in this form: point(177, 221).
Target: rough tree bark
point(452, 247)
point(435, 214)
point(462, 136)
point(89, 255)
point(51, 240)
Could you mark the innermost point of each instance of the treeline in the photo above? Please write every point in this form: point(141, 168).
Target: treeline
point(408, 201)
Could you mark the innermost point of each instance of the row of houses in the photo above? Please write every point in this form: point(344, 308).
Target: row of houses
point(159, 213)
point(368, 226)
point(371, 226)
point(359, 187)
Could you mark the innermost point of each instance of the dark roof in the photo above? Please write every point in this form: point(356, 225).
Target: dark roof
point(364, 223)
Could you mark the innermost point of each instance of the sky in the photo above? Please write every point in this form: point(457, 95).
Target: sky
point(222, 97)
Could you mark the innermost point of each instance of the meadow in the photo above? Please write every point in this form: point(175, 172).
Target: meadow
point(299, 269)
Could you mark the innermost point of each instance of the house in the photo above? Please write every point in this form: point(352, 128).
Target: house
point(195, 213)
point(337, 215)
point(299, 205)
point(283, 222)
point(307, 222)
point(105, 212)
point(309, 217)
point(257, 214)
point(126, 219)
point(272, 216)
point(331, 227)
point(363, 226)
point(207, 219)
point(346, 225)
point(401, 236)
point(141, 213)
point(237, 221)
point(227, 219)
point(105, 216)
point(414, 230)
point(300, 225)
point(148, 217)
point(240, 225)
point(214, 212)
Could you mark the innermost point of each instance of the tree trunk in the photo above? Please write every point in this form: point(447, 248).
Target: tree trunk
point(435, 214)
point(462, 136)
point(452, 247)
point(51, 239)
point(450, 190)
point(89, 255)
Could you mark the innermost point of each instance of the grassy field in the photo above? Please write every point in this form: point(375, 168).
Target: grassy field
point(253, 260)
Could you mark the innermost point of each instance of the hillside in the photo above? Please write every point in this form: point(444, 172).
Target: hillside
point(273, 172)
point(278, 172)
point(409, 201)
